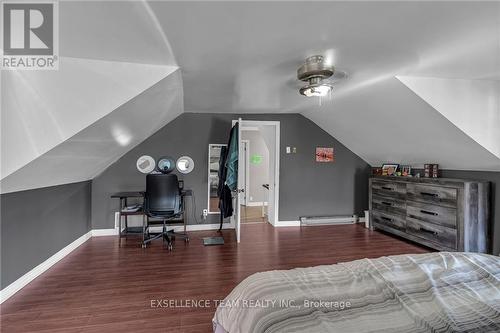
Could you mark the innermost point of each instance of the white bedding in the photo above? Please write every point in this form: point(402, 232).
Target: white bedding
point(435, 292)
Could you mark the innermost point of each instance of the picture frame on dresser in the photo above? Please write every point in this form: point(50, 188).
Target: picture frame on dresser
point(441, 213)
point(389, 169)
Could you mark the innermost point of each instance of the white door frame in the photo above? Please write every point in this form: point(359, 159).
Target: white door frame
point(251, 124)
point(247, 173)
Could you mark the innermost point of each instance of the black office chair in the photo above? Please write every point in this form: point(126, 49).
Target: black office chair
point(162, 200)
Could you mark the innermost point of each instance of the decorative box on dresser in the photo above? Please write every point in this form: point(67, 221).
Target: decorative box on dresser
point(441, 213)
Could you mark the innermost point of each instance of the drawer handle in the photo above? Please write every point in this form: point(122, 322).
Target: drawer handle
point(386, 203)
point(386, 218)
point(428, 231)
point(428, 194)
point(428, 212)
point(387, 188)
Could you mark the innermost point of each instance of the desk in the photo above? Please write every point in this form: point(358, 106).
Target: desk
point(123, 196)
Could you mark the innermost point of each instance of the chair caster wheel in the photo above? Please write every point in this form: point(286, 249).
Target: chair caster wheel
point(186, 239)
point(170, 247)
point(143, 246)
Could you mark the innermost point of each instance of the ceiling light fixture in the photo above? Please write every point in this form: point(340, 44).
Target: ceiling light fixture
point(316, 90)
point(314, 71)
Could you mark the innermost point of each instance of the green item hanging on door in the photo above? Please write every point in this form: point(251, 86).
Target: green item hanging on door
point(256, 159)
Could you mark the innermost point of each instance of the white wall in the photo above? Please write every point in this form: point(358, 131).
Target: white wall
point(258, 173)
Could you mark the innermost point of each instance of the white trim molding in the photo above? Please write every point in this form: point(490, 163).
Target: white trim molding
point(104, 232)
point(287, 224)
point(256, 203)
point(17, 285)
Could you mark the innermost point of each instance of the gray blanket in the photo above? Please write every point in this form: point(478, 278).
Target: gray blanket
point(435, 292)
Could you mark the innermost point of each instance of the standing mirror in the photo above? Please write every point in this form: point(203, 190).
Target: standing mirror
point(214, 155)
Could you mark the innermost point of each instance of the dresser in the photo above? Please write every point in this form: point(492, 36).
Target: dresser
point(441, 213)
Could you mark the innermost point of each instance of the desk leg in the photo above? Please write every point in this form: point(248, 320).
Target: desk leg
point(143, 230)
point(126, 217)
point(186, 215)
point(120, 218)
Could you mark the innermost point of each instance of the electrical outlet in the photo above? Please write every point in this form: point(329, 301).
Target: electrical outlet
point(288, 150)
point(205, 214)
point(294, 150)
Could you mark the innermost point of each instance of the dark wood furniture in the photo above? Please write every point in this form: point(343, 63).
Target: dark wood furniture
point(441, 213)
point(123, 196)
point(123, 228)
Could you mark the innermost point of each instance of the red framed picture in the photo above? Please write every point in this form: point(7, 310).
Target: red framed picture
point(324, 154)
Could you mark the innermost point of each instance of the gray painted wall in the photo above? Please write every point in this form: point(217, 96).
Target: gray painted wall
point(307, 187)
point(35, 224)
point(494, 178)
point(258, 173)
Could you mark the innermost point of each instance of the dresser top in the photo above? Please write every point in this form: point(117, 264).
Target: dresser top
point(439, 181)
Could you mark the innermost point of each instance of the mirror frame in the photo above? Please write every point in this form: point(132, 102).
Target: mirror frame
point(145, 157)
point(208, 176)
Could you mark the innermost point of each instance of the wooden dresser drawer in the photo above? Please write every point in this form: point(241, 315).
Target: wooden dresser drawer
point(437, 234)
point(440, 215)
point(390, 220)
point(392, 189)
point(444, 196)
point(389, 204)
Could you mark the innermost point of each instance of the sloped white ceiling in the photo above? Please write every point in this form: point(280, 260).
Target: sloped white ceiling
point(242, 57)
point(400, 127)
point(117, 83)
point(41, 109)
point(93, 149)
point(124, 31)
point(471, 105)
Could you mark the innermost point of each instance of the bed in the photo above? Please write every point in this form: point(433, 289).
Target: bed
point(432, 292)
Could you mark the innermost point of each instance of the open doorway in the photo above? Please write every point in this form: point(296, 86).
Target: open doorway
point(254, 176)
point(270, 131)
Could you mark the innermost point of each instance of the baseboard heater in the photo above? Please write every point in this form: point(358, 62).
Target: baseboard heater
point(328, 220)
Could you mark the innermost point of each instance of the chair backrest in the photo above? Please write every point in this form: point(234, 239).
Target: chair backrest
point(163, 196)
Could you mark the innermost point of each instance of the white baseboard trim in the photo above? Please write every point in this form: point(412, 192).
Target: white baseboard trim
point(297, 223)
point(287, 224)
point(20, 283)
point(256, 203)
point(17, 285)
point(104, 232)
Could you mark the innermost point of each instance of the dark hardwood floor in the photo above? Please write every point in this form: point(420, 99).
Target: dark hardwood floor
point(105, 286)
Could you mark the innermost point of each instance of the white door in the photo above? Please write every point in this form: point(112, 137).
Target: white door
point(244, 172)
point(236, 201)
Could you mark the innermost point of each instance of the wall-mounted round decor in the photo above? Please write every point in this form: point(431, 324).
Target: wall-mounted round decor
point(185, 164)
point(145, 164)
point(166, 164)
